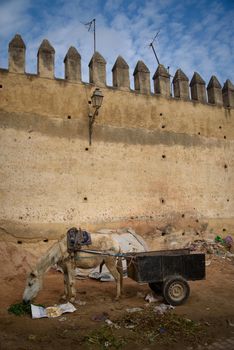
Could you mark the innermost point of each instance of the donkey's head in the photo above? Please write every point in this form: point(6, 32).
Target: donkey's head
point(33, 285)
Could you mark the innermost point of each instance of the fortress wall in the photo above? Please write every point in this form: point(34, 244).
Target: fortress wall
point(153, 159)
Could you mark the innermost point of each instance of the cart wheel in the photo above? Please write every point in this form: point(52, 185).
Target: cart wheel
point(176, 290)
point(157, 287)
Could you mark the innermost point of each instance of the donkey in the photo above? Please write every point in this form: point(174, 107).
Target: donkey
point(58, 254)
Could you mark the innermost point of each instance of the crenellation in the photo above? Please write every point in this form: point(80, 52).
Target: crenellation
point(72, 62)
point(228, 94)
point(214, 91)
point(181, 85)
point(45, 60)
point(142, 78)
point(97, 70)
point(162, 81)
point(198, 88)
point(16, 52)
point(120, 73)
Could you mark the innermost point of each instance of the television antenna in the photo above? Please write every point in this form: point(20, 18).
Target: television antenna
point(92, 27)
point(152, 46)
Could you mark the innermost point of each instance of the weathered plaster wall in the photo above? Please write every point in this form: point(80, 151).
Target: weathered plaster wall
point(152, 159)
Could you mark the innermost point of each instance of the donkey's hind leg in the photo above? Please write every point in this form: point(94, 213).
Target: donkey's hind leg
point(120, 270)
point(71, 281)
point(111, 265)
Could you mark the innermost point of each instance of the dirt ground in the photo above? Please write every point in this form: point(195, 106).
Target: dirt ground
point(211, 303)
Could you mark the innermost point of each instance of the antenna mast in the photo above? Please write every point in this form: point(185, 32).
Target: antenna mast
point(90, 25)
point(152, 45)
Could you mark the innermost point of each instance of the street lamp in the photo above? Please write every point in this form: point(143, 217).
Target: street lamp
point(96, 100)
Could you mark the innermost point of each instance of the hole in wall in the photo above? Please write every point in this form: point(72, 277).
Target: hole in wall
point(162, 200)
point(199, 133)
point(227, 199)
point(224, 230)
point(45, 240)
point(0, 86)
point(19, 242)
point(89, 102)
point(163, 126)
point(29, 137)
point(197, 220)
point(225, 166)
point(163, 156)
point(85, 198)
point(182, 215)
point(224, 137)
point(220, 127)
point(68, 117)
point(183, 233)
point(160, 114)
point(86, 148)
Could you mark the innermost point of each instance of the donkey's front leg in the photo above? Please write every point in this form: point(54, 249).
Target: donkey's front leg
point(63, 265)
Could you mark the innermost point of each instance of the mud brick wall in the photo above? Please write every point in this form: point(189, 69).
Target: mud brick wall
point(153, 158)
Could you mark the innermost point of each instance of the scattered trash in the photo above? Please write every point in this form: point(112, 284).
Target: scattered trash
point(140, 294)
point(219, 247)
point(62, 319)
point(151, 298)
point(218, 239)
point(134, 309)
point(228, 242)
point(100, 317)
point(188, 320)
point(162, 308)
point(129, 326)
point(52, 311)
point(230, 323)
point(32, 337)
point(106, 277)
point(162, 330)
point(80, 303)
point(112, 324)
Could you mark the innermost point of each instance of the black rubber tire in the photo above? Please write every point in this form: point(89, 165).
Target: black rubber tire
point(176, 290)
point(156, 287)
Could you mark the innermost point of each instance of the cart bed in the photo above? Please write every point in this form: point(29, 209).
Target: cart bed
point(155, 266)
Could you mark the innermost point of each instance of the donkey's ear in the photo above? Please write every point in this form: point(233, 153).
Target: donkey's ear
point(33, 274)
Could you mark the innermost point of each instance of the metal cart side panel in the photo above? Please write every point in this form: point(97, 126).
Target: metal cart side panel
point(156, 266)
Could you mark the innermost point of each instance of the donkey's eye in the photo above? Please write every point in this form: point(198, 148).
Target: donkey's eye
point(29, 284)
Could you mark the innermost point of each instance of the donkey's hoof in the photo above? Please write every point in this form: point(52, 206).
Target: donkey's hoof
point(63, 297)
point(72, 300)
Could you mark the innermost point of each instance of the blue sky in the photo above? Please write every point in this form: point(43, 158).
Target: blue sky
point(195, 35)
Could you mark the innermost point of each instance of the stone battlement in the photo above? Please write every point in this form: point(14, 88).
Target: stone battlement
point(195, 90)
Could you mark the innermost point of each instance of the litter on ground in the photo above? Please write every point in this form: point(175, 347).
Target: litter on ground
point(162, 308)
point(134, 309)
point(52, 311)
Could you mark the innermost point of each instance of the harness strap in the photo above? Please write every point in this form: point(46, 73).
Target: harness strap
point(100, 252)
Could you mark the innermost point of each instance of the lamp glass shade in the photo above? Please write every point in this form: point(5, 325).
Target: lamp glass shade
point(97, 98)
